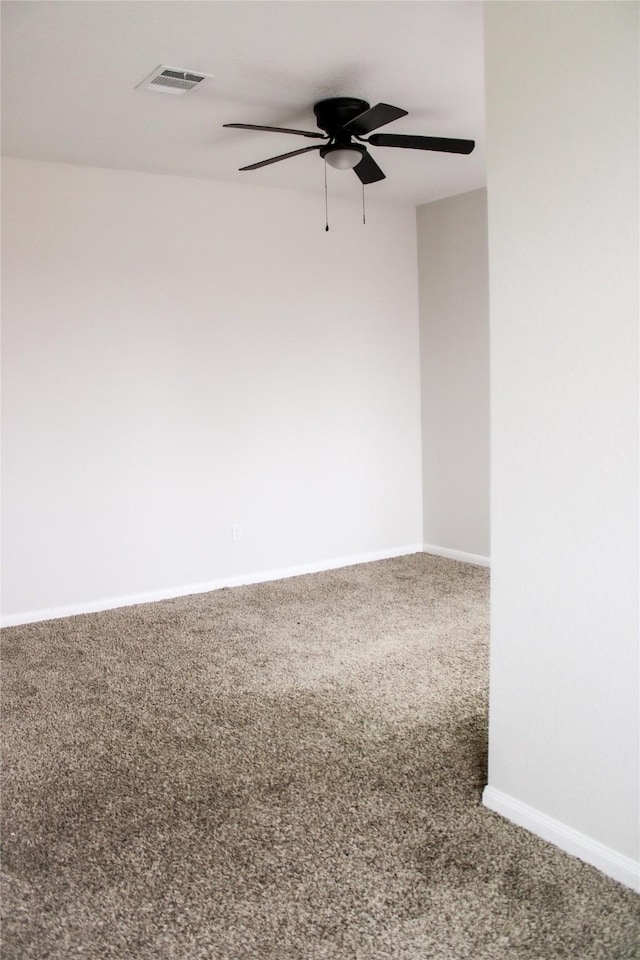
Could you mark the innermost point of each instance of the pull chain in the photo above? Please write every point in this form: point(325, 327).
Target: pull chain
point(364, 219)
point(326, 198)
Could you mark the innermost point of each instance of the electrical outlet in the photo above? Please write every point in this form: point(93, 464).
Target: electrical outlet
point(236, 531)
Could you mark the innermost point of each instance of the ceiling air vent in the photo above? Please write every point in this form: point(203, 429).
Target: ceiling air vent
point(172, 80)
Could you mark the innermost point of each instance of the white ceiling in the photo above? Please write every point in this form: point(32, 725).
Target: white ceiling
point(69, 72)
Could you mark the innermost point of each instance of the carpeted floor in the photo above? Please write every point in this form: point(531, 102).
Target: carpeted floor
point(289, 771)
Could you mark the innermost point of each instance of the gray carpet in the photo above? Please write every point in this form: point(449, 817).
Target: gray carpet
point(291, 770)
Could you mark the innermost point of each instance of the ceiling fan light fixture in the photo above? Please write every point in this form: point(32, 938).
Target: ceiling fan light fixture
point(342, 118)
point(342, 158)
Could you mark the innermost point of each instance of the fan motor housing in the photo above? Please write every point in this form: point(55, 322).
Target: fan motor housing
point(332, 114)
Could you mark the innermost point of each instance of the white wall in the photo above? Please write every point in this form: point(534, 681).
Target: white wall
point(453, 276)
point(562, 130)
point(180, 355)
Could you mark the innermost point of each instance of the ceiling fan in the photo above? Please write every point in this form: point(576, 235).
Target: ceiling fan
point(346, 121)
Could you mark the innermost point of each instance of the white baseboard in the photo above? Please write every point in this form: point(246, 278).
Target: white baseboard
point(152, 596)
point(474, 558)
point(614, 864)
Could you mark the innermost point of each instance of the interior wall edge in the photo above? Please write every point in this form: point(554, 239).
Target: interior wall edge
point(185, 590)
point(460, 555)
point(615, 865)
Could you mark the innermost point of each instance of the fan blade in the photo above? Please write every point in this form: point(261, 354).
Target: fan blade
point(373, 118)
point(443, 144)
point(253, 126)
point(283, 156)
point(368, 170)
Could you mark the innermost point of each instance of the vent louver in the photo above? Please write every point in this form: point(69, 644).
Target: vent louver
point(172, 80)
